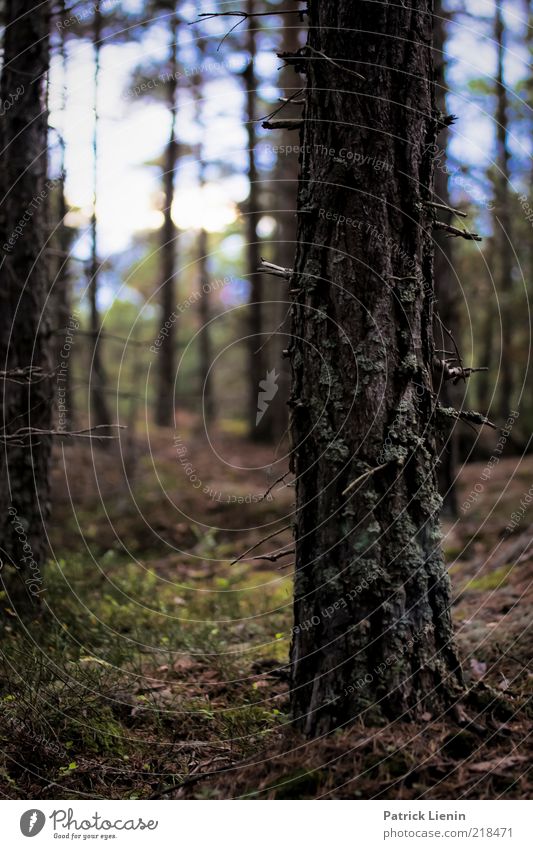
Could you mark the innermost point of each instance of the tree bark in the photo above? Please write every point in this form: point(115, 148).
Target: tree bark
point(373, 633)
point(258, 432)
point(24, 328)
point(166, 362)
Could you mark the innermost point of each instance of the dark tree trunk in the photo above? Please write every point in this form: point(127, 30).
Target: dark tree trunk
point(99, 405)
point(284, 202)
point(62, 285)
point(166, 362)
point(373, 632)
point(204, 339)
point(502, 225)
point(446, 283)
point(24, 330)
point(256, 362)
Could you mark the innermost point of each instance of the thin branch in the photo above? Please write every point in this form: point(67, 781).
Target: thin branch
point(283, 124)
point(450, 336)
point(470, 416)
point(447, 208)
point(275, 270)
point(333, 62)
point(363, 476)
point(26, 375)
point(17, 437)
point(265, 539)
point(455, 373)
point(271, 487)
point(455, 231)
point(273, 557)
point(284, 102)
point(243, 16)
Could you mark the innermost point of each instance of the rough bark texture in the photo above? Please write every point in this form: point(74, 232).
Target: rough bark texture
point(166, 359)
point(24, 331)
point(373, 633)
point(256, 362)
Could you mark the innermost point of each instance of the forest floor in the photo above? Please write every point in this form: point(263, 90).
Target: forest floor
point(159, 670)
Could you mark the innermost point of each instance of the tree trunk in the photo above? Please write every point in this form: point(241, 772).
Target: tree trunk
point(502, 224)
point(99, 405)
point(204, 339)
point(62, 286)
point(258, 430)
point(373, 632)
point(284, 202)
point(446, 283)
point(166, 362)
point(24, 330)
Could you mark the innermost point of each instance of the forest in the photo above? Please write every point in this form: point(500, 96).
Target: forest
point(266, 476)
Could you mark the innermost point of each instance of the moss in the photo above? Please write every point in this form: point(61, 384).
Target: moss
point(492, 580)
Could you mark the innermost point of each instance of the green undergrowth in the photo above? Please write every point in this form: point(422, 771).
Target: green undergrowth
point(103, 690)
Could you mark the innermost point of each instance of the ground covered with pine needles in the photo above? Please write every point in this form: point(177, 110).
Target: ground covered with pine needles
point(158, 670)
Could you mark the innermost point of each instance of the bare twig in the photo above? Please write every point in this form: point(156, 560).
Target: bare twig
point(450, 336)
point(243, 16)
point(265, 539)
point(363, 476)
point(447, 208)
point(271, 487)
point(455, 373)
point(470, 416)
point(284, 102)
point(333, 62)
point(455, 231)
point(283, 124)
point(17, 437)
point(273, 557)
point(275, 270)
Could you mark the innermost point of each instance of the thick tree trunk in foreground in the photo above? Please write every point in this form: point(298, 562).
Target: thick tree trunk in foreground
point(166, 362)
point(24, 485)
point(373, 632)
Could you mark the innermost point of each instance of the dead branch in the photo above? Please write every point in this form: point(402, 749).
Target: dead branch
point(455, 373)
point(271, 487)
point(455, 231)
point(446, 208)
point(470, 416)
point(283, 124)
point(273, 557)
point(265, 539)
point(243, 16)
point(275, 270)
point(284, 101)
point(23, 433)
point(363, 476)
point(26, 374)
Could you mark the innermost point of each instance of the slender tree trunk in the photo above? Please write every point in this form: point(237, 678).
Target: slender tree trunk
point(62, 283)
point(446, 283)
point(502, 224)
point(99, 406)
point(373, 633)
point(24, 329)
point(166, 362)
point(284, 193)
point(258, 431)
point(206, 382)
